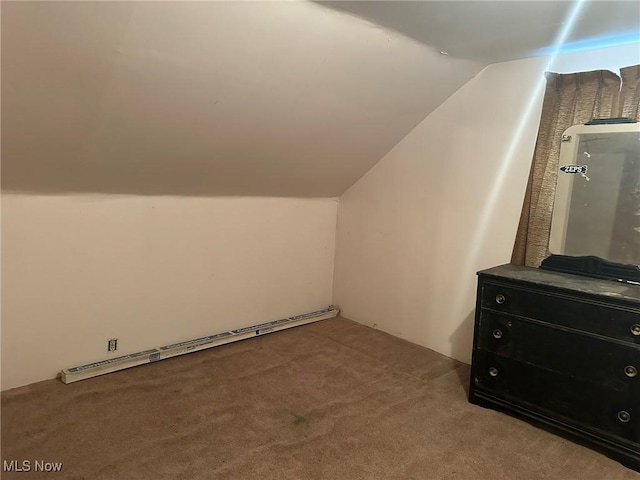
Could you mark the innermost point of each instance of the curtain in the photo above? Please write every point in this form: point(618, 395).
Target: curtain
point(630, 92)
point(569, 99)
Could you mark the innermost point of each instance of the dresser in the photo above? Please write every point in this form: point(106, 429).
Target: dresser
point(561, 349)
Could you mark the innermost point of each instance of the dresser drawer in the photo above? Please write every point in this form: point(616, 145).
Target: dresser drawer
point(593, 359)
point(563, 350)
point(581, 403)
point(573, 312)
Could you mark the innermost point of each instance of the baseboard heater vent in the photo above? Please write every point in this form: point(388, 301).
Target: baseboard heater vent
point(82, 372)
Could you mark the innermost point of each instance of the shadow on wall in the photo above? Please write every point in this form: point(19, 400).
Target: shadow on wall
point(461, 347)
point(462, 339)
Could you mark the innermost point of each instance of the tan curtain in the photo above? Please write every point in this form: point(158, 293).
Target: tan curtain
point(630, 92)
point(569, 99)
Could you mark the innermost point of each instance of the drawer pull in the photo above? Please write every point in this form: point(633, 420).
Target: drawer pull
point(630, 371)
point(493, 371)
point(497, 333)
point(624, 417)
point(635, 329)
point(500, 299)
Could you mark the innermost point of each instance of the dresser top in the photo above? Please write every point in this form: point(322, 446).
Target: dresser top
point(575, 283)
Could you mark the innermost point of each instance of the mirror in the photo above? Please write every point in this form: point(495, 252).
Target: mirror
point(597, 203)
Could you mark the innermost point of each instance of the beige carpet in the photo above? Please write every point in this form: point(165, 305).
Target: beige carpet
point(332, 400)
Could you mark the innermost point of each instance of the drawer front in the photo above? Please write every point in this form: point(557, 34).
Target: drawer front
point(574, 312)
point(583, 404)
point(596, 360)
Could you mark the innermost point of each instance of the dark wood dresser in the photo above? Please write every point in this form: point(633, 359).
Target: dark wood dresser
point(561, 349)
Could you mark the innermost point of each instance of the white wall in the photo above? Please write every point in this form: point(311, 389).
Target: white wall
point(444, 203)
point(77, 270)
point(207, 98)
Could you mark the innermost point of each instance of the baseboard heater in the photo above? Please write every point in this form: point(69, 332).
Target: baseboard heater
point(82, 372)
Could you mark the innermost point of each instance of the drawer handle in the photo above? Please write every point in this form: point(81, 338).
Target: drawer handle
point(497, 333)
point(624, 417)
point(630, 371)
point(500, 299)
point(493, 371)
point(635, 329)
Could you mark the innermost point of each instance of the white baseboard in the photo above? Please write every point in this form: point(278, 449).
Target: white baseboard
point(82, 372)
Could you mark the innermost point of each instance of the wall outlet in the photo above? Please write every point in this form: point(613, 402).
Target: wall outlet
point(112, 345)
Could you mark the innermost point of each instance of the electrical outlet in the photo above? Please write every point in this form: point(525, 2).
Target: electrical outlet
point(112, 345)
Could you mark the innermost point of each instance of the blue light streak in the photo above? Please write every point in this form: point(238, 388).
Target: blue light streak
point(604, 41)
point(477, 241)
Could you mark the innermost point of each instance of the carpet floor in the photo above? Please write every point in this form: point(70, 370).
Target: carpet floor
point(330, 400)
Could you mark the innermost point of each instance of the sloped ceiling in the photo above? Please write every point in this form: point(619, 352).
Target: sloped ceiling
point(220, 98)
